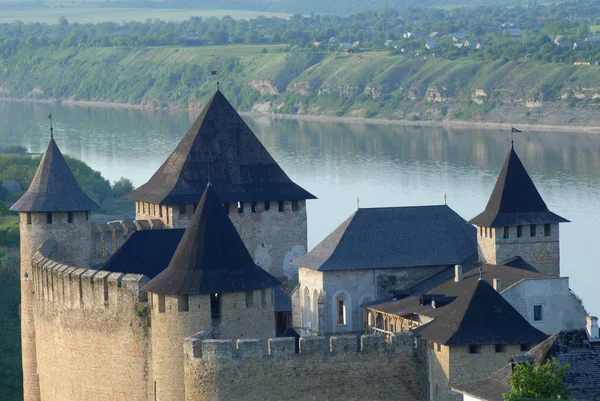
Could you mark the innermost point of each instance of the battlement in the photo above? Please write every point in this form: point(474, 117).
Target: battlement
point(107, 238)
point(74, 287)
point(202, 347)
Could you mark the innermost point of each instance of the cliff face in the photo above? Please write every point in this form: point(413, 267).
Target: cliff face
point(375, 84)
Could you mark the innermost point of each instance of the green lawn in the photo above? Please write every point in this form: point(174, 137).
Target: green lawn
point(98, 14)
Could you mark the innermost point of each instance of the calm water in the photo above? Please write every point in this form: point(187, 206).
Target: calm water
point(383, 165)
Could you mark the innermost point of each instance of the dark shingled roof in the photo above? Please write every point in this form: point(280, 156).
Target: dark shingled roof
point(394, 237)
point(147, 252)
point(515, 199)
point(467, 312)
point(211, 257)
point(569, 348)
point(54, 187)
point(219, 147)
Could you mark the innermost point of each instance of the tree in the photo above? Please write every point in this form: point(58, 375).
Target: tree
point(122, 187)
point(543, 382)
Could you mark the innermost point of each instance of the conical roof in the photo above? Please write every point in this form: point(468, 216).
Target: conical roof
point(54, 187)
point(515, 199)
point(222, 149)
point(211, 257)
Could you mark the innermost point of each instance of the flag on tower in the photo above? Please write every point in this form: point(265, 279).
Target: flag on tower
point(513, 129)
point(214, 72)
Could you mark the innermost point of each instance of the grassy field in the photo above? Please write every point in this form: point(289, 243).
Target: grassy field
point(93, 14)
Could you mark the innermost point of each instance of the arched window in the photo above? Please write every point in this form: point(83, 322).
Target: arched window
point(341, 308)
point(379, 322)
point(365, 299)
point(307, 308)
point(315, 310)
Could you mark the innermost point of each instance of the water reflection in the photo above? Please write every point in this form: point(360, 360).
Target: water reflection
point(384, 165)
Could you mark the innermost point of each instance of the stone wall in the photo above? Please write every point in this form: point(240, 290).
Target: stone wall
point(274, 238)
point(541, 251)
point(357, 286)
point(560, 310)
point(242, 314)
point(336, 368)
point(91, 332)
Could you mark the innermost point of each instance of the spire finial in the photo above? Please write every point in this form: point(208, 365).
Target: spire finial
point(216, 73)
point(480, 273)
point(357, 202)
point(445, 199)
point(51, 128)
point(512, 137)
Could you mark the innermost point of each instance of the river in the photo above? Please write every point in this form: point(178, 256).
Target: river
point(383, 165)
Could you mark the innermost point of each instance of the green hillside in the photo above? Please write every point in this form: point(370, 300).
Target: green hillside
point(370, 84)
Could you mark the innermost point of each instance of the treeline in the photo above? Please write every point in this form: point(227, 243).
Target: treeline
point(369, 30)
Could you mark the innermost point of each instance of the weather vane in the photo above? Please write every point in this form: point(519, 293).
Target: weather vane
point(512, 137)
point(357, 202)
point(51, 129)
point(445, 199)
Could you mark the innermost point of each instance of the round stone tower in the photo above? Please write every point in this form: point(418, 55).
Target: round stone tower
point(54, 207)
point(211, 284)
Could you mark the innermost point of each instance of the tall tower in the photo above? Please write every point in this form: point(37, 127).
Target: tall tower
point(53, 207)
point(267, 208)
point(211, 284)
point(517, 222)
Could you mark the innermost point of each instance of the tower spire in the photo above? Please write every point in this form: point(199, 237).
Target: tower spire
point(51, 128)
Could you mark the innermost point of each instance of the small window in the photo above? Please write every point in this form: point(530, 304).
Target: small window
point(281, 206)
point(28, 217)
point(506, 233)
point(481, 231)
point(215, 306)
point(525, 347)
point(167, 212)
point(249, 299)
point(253, 207)
point(138, 206)
point(160, 211)
point(474, 349)
point(537, 313)
point(263, 297)
point(70, 217)
point(547, 230)
point(532, 230)
point(240, 207)
point(267, 205)
point(500, 348)
point(226, 207)
point(161, 303)
point(183, 303)
point(295, 206)
point(437, 390)
point(49, 218)
point(182, 208)
point(519, 231)
point(491, 232)
point(341, 311)
point(144, 207)
point(438, 347)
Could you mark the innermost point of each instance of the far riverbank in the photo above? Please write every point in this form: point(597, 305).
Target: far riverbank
point(488, 125)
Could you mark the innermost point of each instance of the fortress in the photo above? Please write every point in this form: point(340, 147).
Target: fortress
point(184, 303)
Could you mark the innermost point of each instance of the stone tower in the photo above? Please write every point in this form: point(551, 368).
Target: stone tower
point(267, 208)
point(517, 222)
point(54, 207)
point(212, 285)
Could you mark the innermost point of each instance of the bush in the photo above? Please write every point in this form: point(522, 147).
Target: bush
point(121, 187)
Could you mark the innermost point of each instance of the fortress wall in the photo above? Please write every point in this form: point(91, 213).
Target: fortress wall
point(91, 332)
point(107, 238)
point(335, 368)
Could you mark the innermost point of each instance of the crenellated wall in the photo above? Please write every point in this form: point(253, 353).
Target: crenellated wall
point(91, 332)
point(334, 368)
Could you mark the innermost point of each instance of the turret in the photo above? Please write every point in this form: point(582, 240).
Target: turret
point(53, 207)
point(517, 222)
point(267, 208)
point(211, 284)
